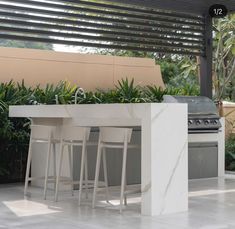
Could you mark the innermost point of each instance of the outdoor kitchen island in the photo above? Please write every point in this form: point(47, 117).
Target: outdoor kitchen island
point(164, 144)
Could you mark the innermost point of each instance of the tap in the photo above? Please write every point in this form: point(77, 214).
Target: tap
point(78, 91)
point(57, 99)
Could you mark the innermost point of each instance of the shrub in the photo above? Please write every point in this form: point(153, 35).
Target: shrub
point(230, 153)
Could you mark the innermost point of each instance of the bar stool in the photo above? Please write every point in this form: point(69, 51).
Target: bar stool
point(75, 136)
point(42, 134)
point(118, 138)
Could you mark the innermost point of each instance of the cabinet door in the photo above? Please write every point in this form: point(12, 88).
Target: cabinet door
point(203, 160)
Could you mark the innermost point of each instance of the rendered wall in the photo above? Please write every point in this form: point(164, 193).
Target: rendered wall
point(229, 114)
point(87, 71)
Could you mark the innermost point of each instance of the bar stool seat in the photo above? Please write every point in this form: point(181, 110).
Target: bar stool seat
point(118, 138)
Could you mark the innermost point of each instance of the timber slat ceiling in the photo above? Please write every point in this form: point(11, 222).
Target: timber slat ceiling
point(103, 25)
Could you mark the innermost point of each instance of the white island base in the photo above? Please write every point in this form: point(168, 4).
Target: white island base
point(164, 144)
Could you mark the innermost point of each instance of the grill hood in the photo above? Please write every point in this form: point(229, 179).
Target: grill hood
point(200, 105)
point(202, 112)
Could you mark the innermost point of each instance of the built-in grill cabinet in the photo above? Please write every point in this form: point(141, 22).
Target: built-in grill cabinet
point(203, 121)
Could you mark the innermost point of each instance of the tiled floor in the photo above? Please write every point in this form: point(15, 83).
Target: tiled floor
point(211, 205)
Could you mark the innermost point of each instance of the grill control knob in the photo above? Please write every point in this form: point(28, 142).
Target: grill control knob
point(207, 122)
point(215, 122)
point(190, 122)
point(198, 122)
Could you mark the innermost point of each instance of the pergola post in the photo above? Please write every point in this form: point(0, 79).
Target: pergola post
point(206, 61)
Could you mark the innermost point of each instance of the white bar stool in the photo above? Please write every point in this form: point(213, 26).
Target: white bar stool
point(75, 136)
point(44, 135)
point(113, 137)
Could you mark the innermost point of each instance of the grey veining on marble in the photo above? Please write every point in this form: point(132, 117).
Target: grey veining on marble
point(211, 206)
point(182, 152)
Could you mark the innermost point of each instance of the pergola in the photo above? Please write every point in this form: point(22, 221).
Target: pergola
point(170, 26)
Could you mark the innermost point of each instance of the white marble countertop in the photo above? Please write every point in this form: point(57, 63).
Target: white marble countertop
point(129, 114)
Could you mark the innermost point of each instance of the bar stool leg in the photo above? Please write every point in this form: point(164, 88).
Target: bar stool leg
point(70, 151)
point(105, 174)
point(59, 171)
point(123, 176)
point(97, 171)
point(86, 174)
point(81, 172)
point(47, 168)
point(125, 198)
point(28, 167)
point(54, 164)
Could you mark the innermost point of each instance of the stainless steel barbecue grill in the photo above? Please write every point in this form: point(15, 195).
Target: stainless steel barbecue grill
point(202, 113)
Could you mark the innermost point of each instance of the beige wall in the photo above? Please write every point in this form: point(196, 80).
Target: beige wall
point(229, 114)
point(87, 71)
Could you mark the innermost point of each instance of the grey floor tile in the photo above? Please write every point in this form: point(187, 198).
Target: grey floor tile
point(211, 206)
